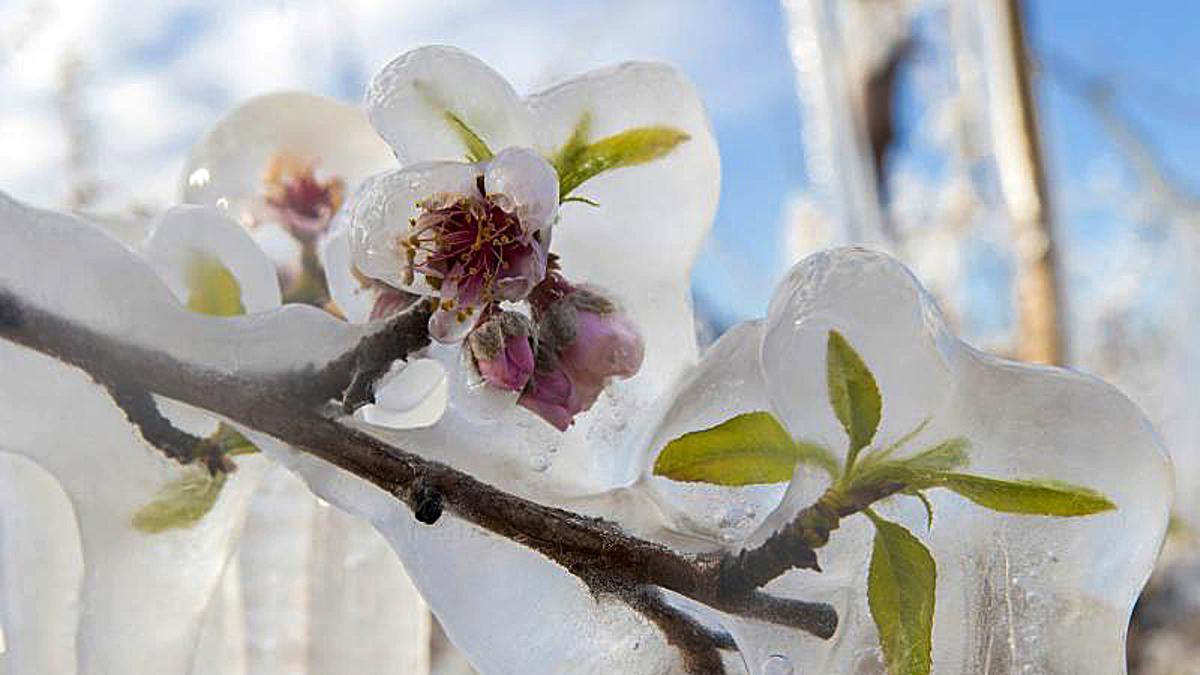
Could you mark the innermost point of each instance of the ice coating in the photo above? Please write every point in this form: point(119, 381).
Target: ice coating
point(651, 217)
point(131, 582)
point(225, 169)
point(142, 311)
point(409, 98)
point(1069, 583)
point(1021, 593)
point(41, 569)
point(1059, 579)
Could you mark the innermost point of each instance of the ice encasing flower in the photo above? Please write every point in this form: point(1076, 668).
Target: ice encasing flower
point(281, 164)
point(469, 234)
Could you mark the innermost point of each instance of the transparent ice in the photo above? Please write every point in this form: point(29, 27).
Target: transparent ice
point(291, 565)
point(1015, 594)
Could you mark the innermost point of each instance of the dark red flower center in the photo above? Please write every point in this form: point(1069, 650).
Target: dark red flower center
point(467, 241)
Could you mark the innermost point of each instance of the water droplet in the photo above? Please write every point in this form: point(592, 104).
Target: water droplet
point(777, 664)
point(223, 203)
point(199, 178)
point(539, 462)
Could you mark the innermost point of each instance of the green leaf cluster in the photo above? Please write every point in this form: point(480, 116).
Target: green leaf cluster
point(902, 580)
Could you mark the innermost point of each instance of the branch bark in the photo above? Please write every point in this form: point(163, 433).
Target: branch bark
point(299, 410)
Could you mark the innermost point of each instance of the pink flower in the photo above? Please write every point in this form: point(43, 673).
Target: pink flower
point(469, 235)
point(502, 350)
point(584, 341)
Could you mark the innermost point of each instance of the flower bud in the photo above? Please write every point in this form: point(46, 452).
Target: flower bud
point(551, 395)
point(502, 351)
point(584, 341)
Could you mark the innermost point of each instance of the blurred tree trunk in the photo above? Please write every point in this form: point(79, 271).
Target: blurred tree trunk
point(1022, 173)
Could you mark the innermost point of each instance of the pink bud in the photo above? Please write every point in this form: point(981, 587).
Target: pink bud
point(502, 352)
point(584, 342)
point(605, 345)
point(551, 395)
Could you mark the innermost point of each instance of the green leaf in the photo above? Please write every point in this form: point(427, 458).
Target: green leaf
point(748, 449)
point(852, 393)
point(945, 456)
point(901, 591)
point(212, 288)
point(181, 503)
point(1033, 497)
point(568, 155)
point(232, 442)
point(577, 162)
point(477, 149)
point(581, 200)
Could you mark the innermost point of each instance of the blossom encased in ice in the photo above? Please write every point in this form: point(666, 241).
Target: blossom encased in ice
point(467, 234)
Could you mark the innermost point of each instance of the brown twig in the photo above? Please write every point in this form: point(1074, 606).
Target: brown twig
point(142, 411)
point(402, 335)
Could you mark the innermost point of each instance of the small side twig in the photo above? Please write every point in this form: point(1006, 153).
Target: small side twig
point(142, 411)
point(699, 646)
point(401, 335)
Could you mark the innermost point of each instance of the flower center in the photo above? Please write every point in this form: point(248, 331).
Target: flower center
point(305, 203)
point(463, 245)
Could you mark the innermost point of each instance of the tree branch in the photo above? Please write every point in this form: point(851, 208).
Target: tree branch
point(296, 409)
point(795, 544)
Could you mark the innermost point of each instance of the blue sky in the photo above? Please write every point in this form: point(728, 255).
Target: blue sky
point(158, 73)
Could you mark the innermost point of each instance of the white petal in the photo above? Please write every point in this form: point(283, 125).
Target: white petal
point(409, 99)
point(383, 208)
point(183, 231)
point(351, 297)
point(529, 181)
point(225, 168)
